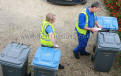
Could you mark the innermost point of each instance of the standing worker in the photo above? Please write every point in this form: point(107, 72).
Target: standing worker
point(48, 35)
point(87, 20)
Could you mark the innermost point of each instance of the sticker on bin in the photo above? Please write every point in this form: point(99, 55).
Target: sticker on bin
point(109, 23)
point(47, 57)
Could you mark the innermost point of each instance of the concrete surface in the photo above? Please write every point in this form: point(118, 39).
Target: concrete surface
point(20, 21)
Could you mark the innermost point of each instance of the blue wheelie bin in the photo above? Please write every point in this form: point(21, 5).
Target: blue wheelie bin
point(46, 61)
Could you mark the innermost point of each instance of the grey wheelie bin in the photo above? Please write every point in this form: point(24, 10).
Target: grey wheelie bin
point(108, 45)
point(14, 59)
point(46, 61)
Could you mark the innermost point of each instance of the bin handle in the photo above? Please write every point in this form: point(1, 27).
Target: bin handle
point(44, 72)
point(11, 70)
point(120, 46)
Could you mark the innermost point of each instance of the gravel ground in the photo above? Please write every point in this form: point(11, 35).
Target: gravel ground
point(20, 21)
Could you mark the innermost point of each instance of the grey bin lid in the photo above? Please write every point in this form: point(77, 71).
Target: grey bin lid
point(109, 41)
point(14, 54)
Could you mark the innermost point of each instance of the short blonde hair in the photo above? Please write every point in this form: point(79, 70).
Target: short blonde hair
point(50, 16)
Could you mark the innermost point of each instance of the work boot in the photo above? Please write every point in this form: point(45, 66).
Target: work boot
point(76, 55)
point(61, 66)
point(86, 53)
point(29, 74)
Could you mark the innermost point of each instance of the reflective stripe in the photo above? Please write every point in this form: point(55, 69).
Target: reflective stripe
point(44, 39)
point(83, 31)
point(44, 31)
point(95, 16)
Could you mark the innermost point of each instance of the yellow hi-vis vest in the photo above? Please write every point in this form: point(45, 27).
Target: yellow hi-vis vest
point(83, 31)
point(44, 37)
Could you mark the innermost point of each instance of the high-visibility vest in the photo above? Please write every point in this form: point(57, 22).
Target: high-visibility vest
point(83, 31)
point(44, 37)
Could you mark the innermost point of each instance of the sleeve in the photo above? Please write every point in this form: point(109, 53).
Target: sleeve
point(49, 29)
point(82, 21)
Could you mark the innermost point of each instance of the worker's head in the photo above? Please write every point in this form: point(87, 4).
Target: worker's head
point(50, 17)
point(95, 7)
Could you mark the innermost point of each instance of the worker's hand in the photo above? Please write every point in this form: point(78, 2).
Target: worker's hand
point(99, 26)
point(56, 46)
point(94, 30)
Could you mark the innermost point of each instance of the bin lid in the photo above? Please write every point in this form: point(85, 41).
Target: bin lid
point(108, 41)
point(14, 54)
point(109, 23)
point(46, 57)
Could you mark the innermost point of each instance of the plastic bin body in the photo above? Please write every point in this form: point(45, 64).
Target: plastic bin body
point(46, 61)
point(108, 45)
point(14, 59)
point(12, 71)
point(104, 60)
point(38, 71)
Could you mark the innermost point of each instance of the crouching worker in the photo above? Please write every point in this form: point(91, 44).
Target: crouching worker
point(48, 35)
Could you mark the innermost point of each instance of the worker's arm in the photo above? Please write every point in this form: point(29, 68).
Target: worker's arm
point(53, 39)
point(91, 29)
point(96, 23)
point(82, 22)
point(50, 32)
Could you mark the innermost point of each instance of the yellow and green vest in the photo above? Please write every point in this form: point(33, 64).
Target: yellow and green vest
point(83, 31)
point(44, 37)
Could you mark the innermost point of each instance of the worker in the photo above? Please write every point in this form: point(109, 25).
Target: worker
point(48, 35)
point(86, 21)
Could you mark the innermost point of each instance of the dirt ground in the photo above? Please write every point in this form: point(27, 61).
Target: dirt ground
point(20, 21)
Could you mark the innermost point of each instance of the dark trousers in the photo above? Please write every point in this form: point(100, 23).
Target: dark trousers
point(82, 43)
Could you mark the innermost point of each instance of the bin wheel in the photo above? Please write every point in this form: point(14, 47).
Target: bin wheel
point(92, 58)
point(29, 74)
point(94, 48)
point(49, 0)
point(83, 1)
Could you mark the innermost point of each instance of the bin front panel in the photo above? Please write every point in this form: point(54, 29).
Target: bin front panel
point(13, 71)
point(10, 71)
point(104, 60)
point(44, 72)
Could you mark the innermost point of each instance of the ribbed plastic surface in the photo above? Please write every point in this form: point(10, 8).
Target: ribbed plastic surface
point(47, 58)
point(109, 41)
point(14, 54)
point(109, 23)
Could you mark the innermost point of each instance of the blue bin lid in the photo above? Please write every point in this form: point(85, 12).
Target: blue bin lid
point(46, 57)
point(109, 23)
